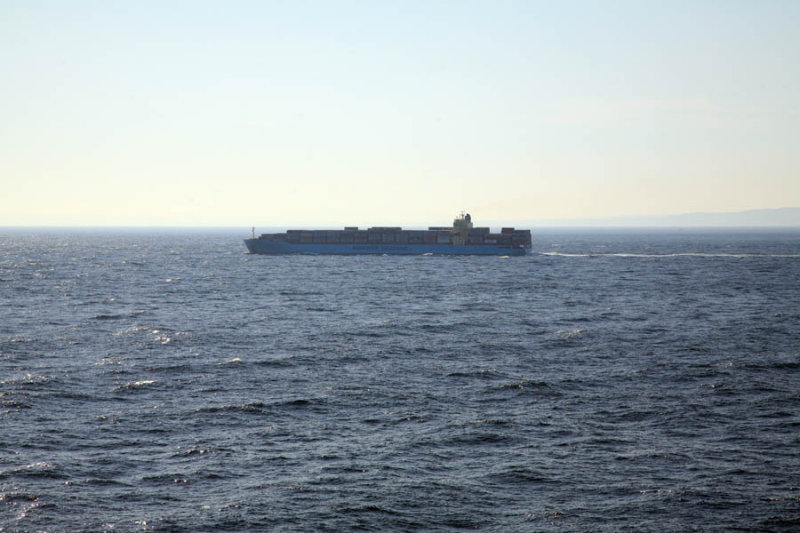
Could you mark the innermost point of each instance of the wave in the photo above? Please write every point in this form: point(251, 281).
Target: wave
point(570, 333)
point(41, 469)
point(283, 361)
point(668, 255)
point(103, 482)
point(261, 406)
point(108, 317)
point(149, 334)
point(526, 384)
point(133, 385)
point(170, 368)
point(27, 379)
point(368, 509)
point(518, 474)
point(12, 404)
point(117, 316)
point(193, 451)
point(12, 496)
point(492, 372)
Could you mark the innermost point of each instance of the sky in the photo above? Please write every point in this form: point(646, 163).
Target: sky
point(281, 113)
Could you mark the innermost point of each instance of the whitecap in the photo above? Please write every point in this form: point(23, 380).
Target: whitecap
point(569, 333)
point(28, 379)
point(136, 384)
point(559, 254)
point(40, 465)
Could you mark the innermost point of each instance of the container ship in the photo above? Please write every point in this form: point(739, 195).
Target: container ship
point(460, 239)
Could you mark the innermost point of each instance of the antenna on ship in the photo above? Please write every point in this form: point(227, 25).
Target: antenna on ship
point(254, 232)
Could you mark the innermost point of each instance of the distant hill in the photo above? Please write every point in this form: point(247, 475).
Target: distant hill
point(784, 217)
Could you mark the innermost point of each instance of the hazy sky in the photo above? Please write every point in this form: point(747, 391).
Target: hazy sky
point(289, 112)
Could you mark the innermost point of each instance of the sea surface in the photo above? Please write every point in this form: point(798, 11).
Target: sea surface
point(165, 380)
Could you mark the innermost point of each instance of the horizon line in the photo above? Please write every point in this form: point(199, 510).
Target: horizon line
point(697, 219)
point(337, 226)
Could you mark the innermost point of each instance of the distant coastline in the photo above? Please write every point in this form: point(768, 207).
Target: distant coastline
point(787, 217)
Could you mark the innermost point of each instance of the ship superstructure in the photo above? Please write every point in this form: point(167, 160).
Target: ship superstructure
point(459, 239)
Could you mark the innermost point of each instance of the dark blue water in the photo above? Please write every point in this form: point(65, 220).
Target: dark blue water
point(641, 381)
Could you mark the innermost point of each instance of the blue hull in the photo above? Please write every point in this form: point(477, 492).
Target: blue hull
point(264, 246)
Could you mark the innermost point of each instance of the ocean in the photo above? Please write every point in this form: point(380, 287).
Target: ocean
point(613, 380)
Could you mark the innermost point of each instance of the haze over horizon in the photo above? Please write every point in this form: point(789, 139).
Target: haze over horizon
point(320, 113)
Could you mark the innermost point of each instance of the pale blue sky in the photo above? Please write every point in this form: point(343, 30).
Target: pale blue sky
point(307, 113)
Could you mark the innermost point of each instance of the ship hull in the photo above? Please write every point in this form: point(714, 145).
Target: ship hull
point(268, 247)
